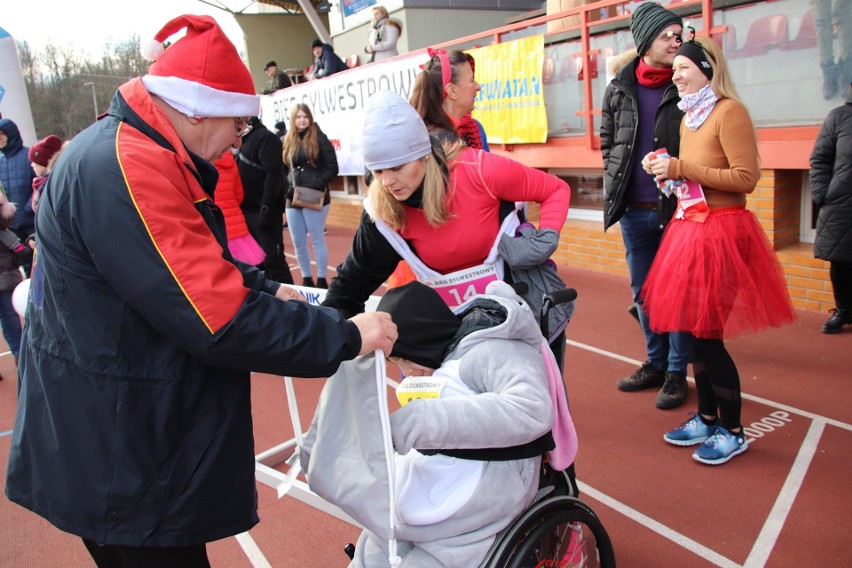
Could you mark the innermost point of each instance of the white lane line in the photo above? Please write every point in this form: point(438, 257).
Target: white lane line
point(696, 548)
point(249, 546)
point(751, 397)
point(765, 542)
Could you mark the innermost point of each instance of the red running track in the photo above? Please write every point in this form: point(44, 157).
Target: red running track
point(784, 503)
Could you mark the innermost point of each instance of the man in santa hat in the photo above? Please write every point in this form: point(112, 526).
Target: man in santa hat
point(133, 427)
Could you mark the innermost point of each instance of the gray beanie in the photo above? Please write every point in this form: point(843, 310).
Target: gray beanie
point(394, 134)
point(648, 21)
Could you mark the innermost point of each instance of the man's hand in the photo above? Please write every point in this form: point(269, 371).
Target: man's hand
point(377, 332)
point(284, 292)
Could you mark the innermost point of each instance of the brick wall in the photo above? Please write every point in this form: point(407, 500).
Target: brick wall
point(345, 212)
point(776, 202)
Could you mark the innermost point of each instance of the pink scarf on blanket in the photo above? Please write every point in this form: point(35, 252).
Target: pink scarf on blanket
point(564, 434)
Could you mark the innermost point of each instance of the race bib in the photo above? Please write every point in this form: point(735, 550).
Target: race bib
point(458, 287)
point(412, 388)
point(692, 205)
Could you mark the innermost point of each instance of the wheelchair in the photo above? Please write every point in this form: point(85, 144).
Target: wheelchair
point(557, 529)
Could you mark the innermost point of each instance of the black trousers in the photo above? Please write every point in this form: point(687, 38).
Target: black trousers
point(271, 240)
point(133, 557)
point(841, 282)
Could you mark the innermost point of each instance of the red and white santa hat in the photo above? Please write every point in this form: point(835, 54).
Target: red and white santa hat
point(200, 74)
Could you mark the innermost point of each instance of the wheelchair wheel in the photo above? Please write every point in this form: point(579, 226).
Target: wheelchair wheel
point(559, 531)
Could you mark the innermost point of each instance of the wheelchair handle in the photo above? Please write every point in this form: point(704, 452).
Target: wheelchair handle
point(554, 299)
point(561, 296)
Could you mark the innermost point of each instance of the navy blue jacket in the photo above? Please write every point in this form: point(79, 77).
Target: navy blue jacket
point(134, 424)
point(328, 63)
point(16, 175)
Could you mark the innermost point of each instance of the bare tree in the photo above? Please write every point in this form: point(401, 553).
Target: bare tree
point(66, 90)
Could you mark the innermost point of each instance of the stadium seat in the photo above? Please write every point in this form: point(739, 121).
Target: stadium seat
point(353, 61)
point(806, 37)
point(764, 34)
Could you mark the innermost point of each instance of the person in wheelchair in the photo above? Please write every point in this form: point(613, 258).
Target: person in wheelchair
point(476, 418)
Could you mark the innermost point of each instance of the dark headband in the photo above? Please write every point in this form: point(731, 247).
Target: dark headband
point(698, 55)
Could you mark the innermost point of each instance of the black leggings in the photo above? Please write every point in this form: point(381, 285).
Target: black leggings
point(717, 382)
point(140, 557)
point(841, 282)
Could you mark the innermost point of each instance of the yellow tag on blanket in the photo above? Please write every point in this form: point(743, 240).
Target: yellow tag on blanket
point(419, 387)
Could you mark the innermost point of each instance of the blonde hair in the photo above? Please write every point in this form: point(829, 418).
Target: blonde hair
point(436, 183)
point(292, 141)
point(382, 10)
point(721, 83)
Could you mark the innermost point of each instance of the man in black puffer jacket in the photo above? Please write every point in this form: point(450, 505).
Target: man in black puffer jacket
point(831, 182)
point(640, 115)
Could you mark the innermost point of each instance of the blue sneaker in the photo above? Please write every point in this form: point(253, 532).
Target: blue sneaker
point(720, 447)
point(693, 431)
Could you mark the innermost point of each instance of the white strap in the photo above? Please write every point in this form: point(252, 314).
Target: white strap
point(423, 272)
point(384, 412)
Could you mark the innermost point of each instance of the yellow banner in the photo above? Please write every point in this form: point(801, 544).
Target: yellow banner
point(510, 105)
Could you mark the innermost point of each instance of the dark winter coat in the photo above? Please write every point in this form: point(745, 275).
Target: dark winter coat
point(831, 183)
point(316, 176)
point(261, 170)
point(134, 424)
point(619, 121)
point(328, 63)
point(16, 175)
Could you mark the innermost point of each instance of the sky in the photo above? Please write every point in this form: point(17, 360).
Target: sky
point(88, 24)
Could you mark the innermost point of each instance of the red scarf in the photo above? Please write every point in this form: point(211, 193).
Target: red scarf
point(653, 77)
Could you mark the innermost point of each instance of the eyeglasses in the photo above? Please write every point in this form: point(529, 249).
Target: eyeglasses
point(677, 37)
point(241, 126)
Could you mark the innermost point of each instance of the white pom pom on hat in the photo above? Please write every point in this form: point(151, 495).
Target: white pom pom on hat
point(200, 74)
point(152, 50)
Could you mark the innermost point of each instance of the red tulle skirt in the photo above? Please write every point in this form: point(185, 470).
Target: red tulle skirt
point(245, 248)
point(716, 279)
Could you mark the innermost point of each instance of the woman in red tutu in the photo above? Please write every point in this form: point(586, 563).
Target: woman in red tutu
point(716, 274)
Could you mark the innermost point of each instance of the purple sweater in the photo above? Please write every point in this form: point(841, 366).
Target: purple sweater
point(641, 186)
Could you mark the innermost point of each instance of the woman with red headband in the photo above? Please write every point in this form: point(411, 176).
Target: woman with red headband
point(444, 96)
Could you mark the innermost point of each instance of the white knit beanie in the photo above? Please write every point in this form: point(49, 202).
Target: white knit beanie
point(394, 134)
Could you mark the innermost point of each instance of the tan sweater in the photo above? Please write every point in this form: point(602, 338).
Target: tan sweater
point(721, 155)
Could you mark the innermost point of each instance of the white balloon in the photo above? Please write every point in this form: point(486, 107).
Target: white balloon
point(20, 296)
